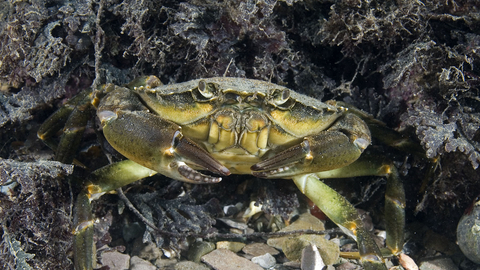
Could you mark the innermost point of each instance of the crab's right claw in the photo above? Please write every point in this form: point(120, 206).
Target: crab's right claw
point(159, 145)
point(334, 148)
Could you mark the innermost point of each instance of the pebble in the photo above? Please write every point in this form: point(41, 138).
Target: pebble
point(468, 233)
point(137, 263)
point(259, 249)
point(165, 263)
point(149, 251)
point(224, 259)
point(346, 265)
point(407, 262)
point(438, 264)
point(265, 261)
point(438, 242)
point(187, 265)
point(115, 260)
point(233, 246)
point(292, 246)
point(198, 249)
point(294, 265)
point(311, 259)
point(304, 222)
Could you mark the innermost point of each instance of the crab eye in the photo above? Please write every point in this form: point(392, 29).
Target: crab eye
point(282, 99)
point(204, 92)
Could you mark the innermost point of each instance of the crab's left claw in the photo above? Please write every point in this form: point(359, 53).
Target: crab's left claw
point(336, 147)
point(154, 142)
point(159, 145)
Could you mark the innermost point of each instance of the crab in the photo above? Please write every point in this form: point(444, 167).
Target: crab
point(227, 126)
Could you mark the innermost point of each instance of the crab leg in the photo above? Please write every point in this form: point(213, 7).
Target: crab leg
point(103, 180)
point(341, 212)
point(72, 118)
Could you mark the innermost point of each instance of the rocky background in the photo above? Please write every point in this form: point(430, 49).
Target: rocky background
point(411, 64)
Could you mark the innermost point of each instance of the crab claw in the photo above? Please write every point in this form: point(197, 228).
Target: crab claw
point(192, 153)
point(336, 147)
point(159, 145)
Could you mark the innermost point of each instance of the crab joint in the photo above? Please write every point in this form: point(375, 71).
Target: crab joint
point(82, 226)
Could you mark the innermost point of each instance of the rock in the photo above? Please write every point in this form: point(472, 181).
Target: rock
point(311, 259)
point(198, 249)
point(149, 251)
point(265, 261)
point(187, 265)
point(115, 260)
point(438, 242)
point(468, 233)
point(292, 265)
point(259, 249)
point(304, 222)
point(224, 259)
point(137, 263)
point(346, 265)
point(407, 262)
point(165, 263)
point(438, 264)
point(293, 247)
point(233, 246)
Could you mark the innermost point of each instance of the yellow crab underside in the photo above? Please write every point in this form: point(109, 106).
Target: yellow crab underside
point(226, 126)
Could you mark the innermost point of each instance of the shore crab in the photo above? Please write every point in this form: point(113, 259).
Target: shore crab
point(227, 126)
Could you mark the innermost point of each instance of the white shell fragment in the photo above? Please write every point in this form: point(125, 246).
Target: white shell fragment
point(311, 259)
point(407, 262)
point(265, 261)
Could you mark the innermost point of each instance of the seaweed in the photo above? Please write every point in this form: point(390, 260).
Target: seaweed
point(34, 189)
point(412, 64)
point(176, 218)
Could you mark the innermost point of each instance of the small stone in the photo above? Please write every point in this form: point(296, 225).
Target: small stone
point(306, 221)
point(233, 246)
point(149, 251)
point(407, 262)
point(234, 224)
point(294, 265)
point(293, 247)
point(137, 263)
point(115, 260)
point(187, 265)
point(230, 210)
point(259, 249)
point(438, 264)
point(311, 259)
point(165, 263)
point(198, 249)
point(438, 242)
point(224, 259)
point(347, 266)
point(266, 260)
